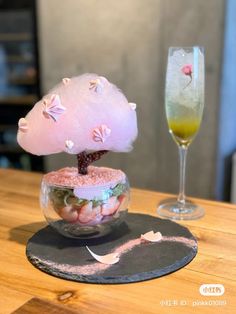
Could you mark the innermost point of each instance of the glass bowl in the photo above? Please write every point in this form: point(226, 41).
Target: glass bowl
point(84, 211)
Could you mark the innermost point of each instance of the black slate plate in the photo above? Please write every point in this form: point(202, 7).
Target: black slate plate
point(69, 259)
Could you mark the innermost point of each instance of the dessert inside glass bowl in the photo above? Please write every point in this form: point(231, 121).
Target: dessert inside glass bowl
point(89, 205)
point(86, 116)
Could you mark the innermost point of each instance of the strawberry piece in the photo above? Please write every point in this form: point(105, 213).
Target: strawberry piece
point(122, 199)
point(88, 213)
point(111, 206)
point(68, 213)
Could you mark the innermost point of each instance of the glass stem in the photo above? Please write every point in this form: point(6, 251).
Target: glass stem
point(182, 158)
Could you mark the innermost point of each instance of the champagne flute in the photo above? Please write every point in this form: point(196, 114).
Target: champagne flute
point(184, 102)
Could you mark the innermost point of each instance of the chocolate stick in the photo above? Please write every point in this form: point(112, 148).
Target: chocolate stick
point(84, 160)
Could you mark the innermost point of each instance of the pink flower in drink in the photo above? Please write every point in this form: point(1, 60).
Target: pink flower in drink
point(187, 69)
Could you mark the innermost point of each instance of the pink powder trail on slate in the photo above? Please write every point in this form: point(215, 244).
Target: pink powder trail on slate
point(97, 267)
point(186, 241)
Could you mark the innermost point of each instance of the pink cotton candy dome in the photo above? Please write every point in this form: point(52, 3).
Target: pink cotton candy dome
point(83, 113)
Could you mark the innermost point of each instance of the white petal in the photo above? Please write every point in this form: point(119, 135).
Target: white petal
point(109, 259)
point(151, 236)
point(69, 144)
point(99, 88)
point(23, 125)
point(132, 105)
point(65, 80)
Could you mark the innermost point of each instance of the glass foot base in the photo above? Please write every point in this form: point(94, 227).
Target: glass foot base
point(176, 211)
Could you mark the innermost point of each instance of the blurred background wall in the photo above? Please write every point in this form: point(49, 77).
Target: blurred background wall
point(127, 41)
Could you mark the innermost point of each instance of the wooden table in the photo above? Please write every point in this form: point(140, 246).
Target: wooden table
point(20, 217)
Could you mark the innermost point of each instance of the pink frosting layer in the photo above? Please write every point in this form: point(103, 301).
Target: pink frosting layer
point(97, 176)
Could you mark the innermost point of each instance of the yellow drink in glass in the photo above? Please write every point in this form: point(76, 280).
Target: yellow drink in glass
point(184, 123)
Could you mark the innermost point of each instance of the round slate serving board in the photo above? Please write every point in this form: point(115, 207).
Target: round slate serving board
point(139, 260)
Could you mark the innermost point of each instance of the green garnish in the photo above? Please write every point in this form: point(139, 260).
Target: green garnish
point(118, 189)
point(61, 197)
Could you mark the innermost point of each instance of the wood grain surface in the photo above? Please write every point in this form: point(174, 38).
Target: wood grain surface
point(36, 305)
point(20, 217)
